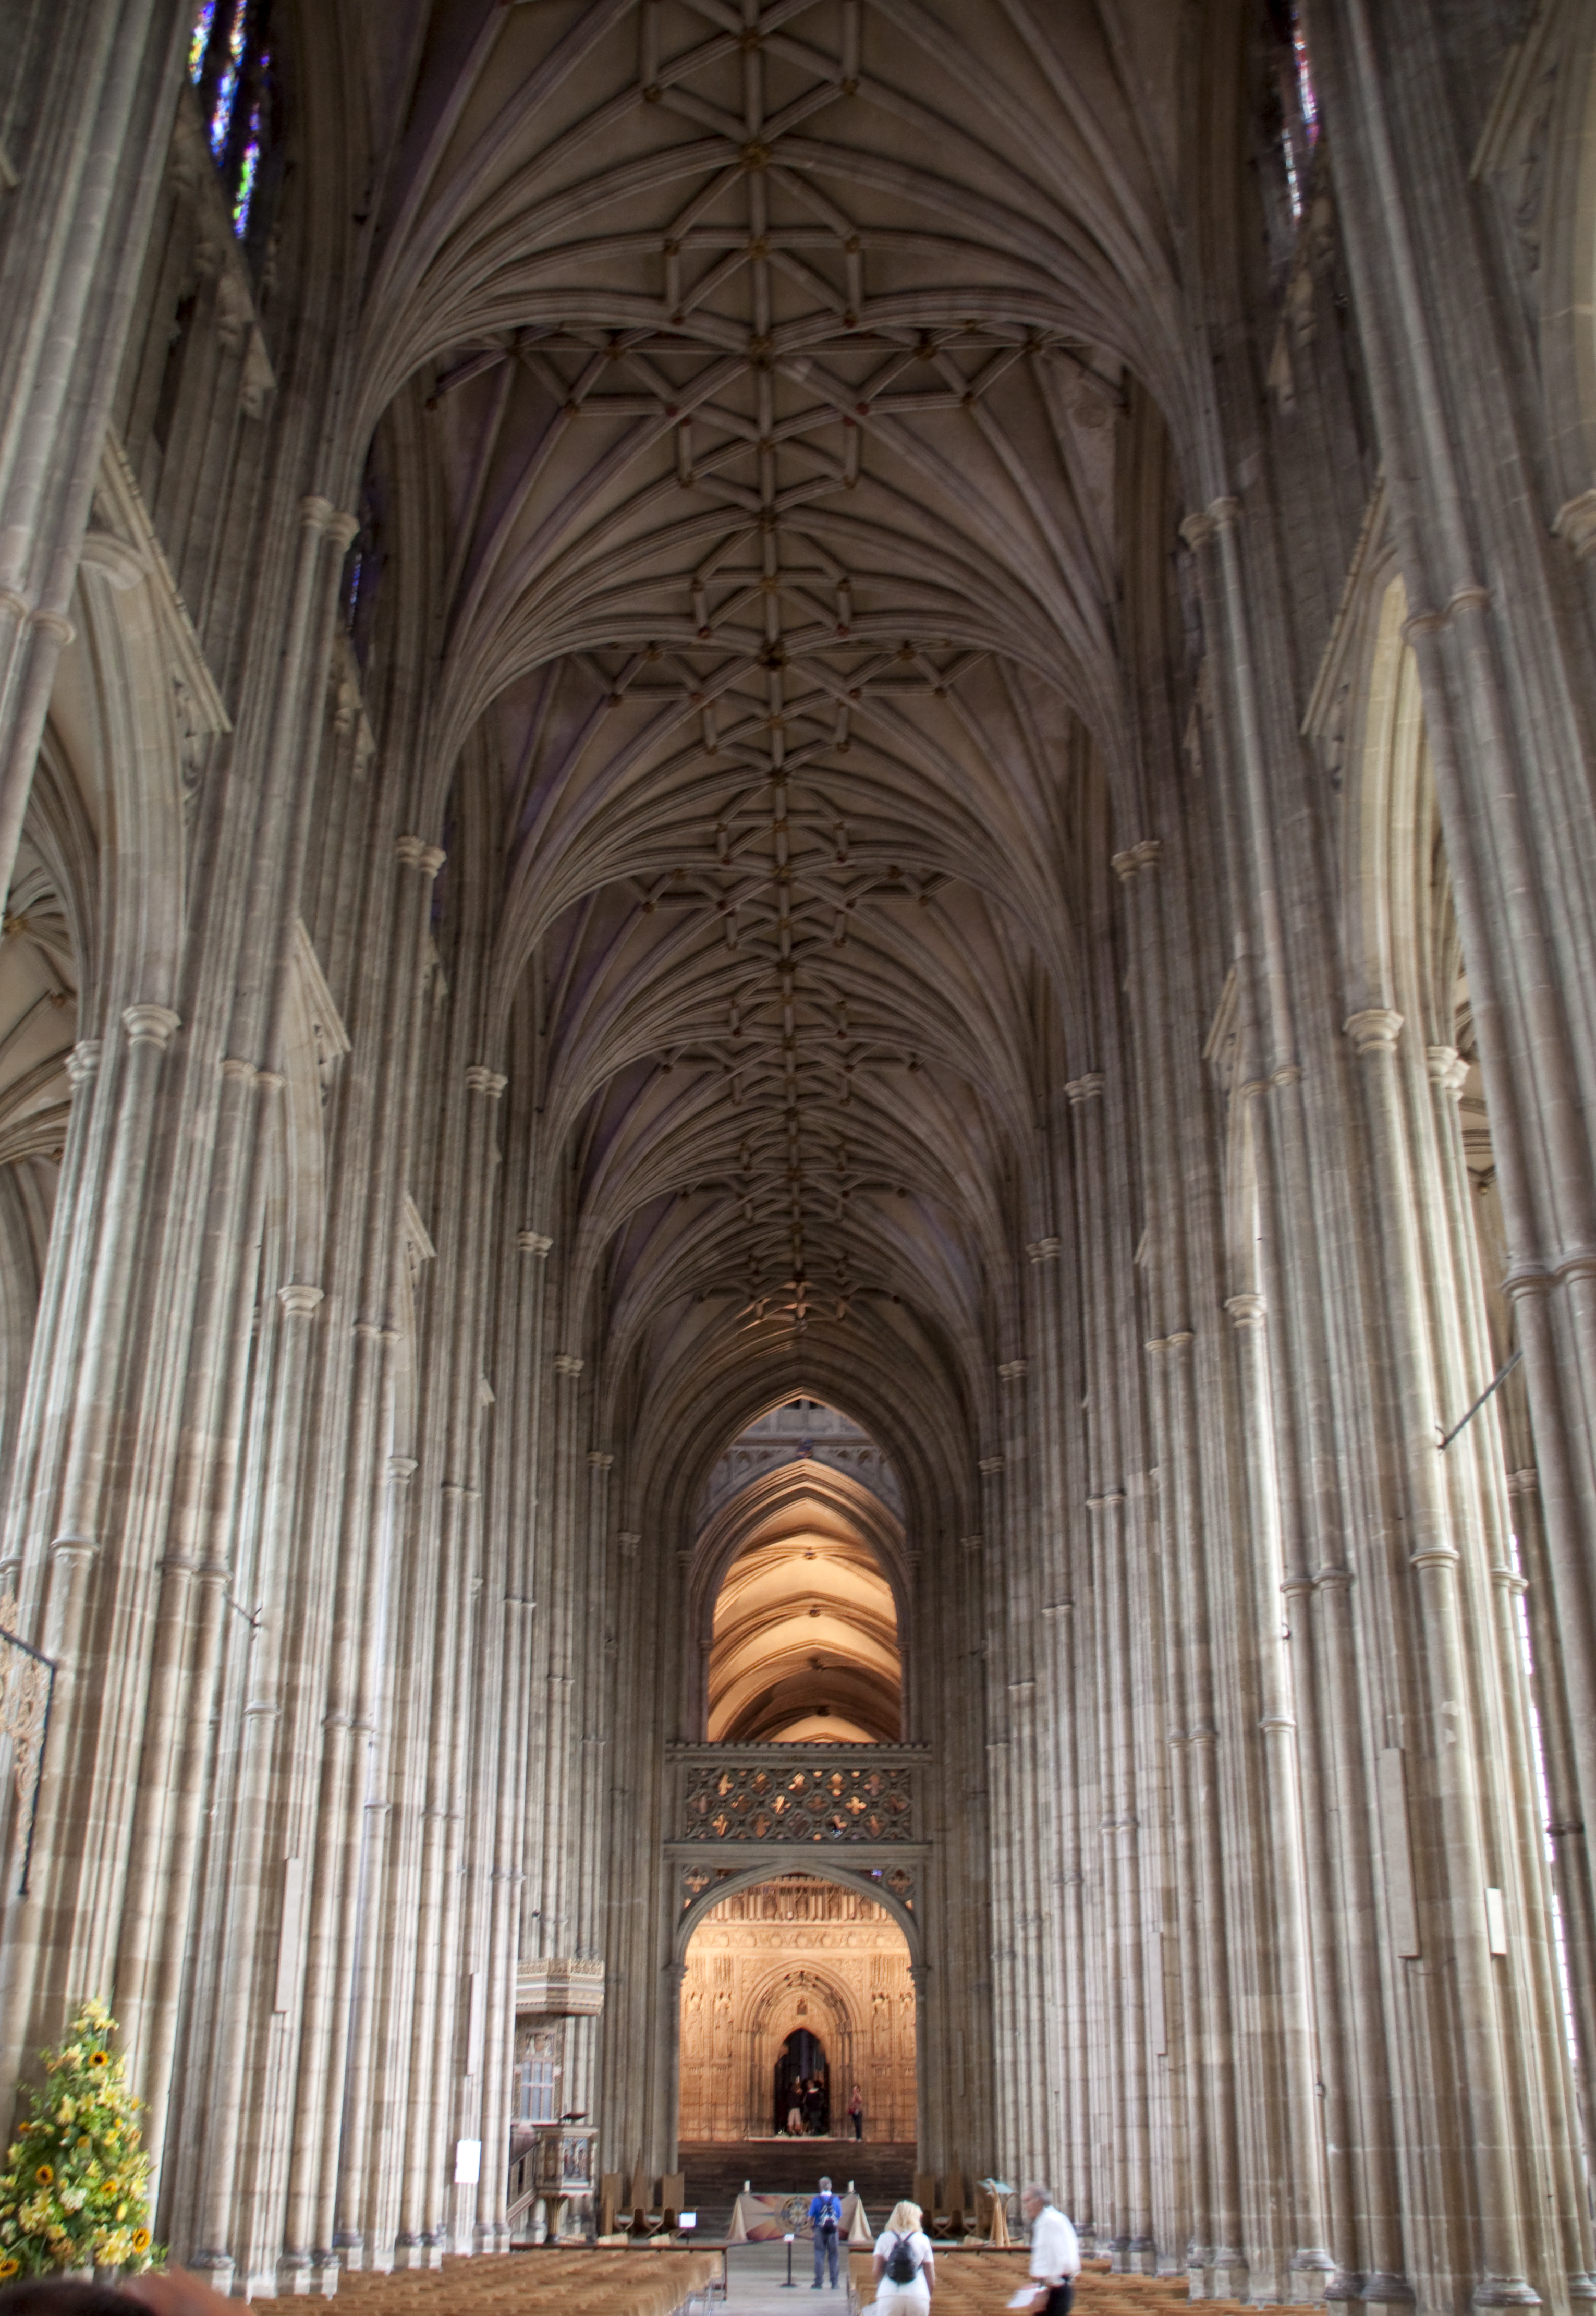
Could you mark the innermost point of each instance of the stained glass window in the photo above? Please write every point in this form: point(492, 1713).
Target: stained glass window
point(230, 66)
point(1301, 128)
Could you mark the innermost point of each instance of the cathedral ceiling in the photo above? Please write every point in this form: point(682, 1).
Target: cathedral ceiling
point(773, 356)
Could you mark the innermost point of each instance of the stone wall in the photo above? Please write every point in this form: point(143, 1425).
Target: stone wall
point(794, 1954)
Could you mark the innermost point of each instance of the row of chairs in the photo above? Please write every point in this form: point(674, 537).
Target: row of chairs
point(564, 2282)
point(983, 2286)
point(952, 2206)
point(628, 2204)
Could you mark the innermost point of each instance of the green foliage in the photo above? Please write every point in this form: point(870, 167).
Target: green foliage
point(75, 2190)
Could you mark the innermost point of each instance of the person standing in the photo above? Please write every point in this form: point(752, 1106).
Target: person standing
point(825, 2219)
point(904, 2269)
point(855, 2108)
point(1055, 2252)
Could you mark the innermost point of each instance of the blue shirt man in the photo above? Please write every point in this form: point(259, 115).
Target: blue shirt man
point(825, 2218)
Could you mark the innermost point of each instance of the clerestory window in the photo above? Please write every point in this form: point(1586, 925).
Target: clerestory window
point(230, 66)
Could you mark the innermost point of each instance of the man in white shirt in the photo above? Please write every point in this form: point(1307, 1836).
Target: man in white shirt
point(1055, 2252)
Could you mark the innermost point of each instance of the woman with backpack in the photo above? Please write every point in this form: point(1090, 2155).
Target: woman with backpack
point(904, 2270)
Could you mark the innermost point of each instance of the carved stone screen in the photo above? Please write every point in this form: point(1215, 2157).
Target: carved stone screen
point(791, 1954)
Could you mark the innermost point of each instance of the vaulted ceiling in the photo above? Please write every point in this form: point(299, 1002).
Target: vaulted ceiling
point(771, 358)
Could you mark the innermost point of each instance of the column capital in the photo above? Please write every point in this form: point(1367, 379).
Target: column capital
point(1085, 1089)
point(1574, 523)
point(300, 1302)
point(1374, 1030)
point(414, 852)
point(988, 1466)
point(401, 1470)
point(84, 1060)
point(536, 1243)
point(1447, 1068)
point(1131, 863)
point(151, 1025)
point(1247, 1309)
point(1045, 1250)
point(568, 1363)
point(480, 1079)
point(599, 1459)
point(1012, 1370)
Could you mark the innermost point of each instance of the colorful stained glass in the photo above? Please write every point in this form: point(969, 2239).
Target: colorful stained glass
point(1306, 96)
point(249, 168)
point(226, 94)
point(199, 40)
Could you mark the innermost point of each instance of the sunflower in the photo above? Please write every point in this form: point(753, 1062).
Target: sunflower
point(9, 2265)
point(98, 2059)
point(141, 2239)
point(44, 2175)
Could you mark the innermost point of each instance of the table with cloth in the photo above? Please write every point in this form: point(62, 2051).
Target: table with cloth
point(766, 2219)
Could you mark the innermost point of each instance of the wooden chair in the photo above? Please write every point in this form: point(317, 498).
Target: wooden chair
point(673, 2193)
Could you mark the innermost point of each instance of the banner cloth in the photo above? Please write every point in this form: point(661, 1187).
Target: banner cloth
point(766, 2219)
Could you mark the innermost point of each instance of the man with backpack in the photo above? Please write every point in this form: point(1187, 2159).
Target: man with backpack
point(825, 2218)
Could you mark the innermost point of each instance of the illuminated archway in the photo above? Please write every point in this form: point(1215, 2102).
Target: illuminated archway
point(788, 1955)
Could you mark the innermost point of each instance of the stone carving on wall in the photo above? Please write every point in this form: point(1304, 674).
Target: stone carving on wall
point(813, 1798)
point(788, 1954)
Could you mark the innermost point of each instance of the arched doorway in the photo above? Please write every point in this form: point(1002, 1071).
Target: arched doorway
point(803, 2086)
point(784, 1980)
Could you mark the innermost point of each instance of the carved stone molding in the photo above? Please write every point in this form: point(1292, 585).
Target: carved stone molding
point(151, 1025)
point(1374, 1030)
point(301, 1301)
point(1045, 1250)
point(531, 1242)
point(1574, 523)
point(788, 1793)
point(1131, 863)
point(562, 1986)
point(1087, 1088)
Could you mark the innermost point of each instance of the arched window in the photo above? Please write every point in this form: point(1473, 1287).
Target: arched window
point(1299, 104)
point(230, 65)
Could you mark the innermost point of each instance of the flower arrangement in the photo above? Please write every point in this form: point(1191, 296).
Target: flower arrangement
point(74, 2189)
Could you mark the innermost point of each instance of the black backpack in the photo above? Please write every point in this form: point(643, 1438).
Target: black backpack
point(902, 2268)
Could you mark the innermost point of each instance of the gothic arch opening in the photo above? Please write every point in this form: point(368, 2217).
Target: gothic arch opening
point(801, 1585)
point(779, 1973)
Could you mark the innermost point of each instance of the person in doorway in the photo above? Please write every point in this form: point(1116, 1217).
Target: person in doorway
point(795, 2119)
point(856, 2110)
point(825, 2219)
point(1055, 2252)
point(904, 2269)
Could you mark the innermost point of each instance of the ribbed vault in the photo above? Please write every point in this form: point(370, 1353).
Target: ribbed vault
point(797, 1592)
point(770, 360)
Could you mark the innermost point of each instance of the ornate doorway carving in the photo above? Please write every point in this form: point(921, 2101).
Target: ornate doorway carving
point(802, 2083)
point(784, 1977)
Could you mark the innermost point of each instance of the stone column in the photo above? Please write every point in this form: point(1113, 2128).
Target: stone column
point(1447, 1831)
point(1453, 379)
point(69, 268)
point(255, 1876)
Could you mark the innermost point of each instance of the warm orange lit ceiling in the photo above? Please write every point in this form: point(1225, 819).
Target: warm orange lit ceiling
point(805, 1638)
